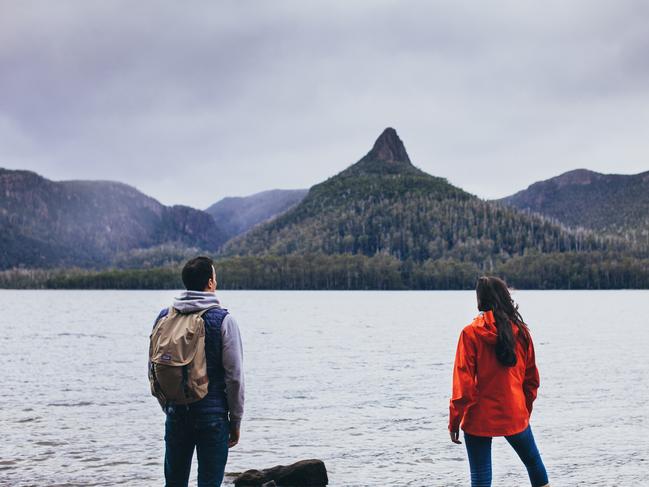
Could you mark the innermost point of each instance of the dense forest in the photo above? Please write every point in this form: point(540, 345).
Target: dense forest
point(568, 270)
point(418, 227)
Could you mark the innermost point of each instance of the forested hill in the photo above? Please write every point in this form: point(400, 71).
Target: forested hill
point(88, 223)
point(382, 223)
point(237, 215)
point(612, 203)
point(384, 205)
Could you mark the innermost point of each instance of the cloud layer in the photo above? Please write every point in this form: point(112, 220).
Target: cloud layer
point(191, 102)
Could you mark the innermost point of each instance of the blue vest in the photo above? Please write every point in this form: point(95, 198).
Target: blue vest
point(216, 400)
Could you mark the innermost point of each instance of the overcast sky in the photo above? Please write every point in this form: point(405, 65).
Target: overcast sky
point(194, 101)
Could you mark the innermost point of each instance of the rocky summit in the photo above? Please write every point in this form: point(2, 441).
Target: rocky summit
point(389, 148)
point(387, 156)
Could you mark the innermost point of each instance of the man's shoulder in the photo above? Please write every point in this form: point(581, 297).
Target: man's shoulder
point(161, 314)
point(215, 314)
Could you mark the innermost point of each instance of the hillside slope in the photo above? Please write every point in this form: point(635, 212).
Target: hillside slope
point(84, 223)
point(610, 203)
point(236, 215)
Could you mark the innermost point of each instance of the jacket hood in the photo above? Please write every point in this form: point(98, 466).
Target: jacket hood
point(193, 301)
point(485, 327)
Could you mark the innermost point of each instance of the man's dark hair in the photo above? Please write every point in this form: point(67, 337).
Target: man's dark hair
point(197, 272)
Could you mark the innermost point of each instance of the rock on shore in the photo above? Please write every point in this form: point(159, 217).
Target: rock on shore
point(305, 473)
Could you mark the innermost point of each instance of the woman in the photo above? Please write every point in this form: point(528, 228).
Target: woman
point(494, 384)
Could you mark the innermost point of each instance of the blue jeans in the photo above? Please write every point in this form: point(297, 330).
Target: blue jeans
point(479, 450)
point(209, 434)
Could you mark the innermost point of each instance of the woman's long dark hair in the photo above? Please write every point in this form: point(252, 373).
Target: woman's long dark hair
point(493, 295)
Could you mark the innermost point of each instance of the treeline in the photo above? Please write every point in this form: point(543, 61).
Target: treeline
point(569, 270)
point(155, 278)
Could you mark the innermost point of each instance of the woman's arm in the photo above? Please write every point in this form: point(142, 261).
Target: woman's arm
point(464, 388)
point(531, 381)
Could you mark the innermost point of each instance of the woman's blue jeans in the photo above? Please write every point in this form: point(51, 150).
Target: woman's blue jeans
point(208, 433)
point(479, 450)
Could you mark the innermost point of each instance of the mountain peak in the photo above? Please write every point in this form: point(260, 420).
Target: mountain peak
point(388, 157)
point(389, 148)
point(577, 177)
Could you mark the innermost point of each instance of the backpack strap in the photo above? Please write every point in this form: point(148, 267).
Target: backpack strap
point(202, 312)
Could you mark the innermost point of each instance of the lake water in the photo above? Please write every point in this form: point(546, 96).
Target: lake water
point(360, 380)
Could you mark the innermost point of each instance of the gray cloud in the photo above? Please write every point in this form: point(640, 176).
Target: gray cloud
point(197, 101)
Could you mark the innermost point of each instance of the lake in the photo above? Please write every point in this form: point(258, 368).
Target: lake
point(360, 380)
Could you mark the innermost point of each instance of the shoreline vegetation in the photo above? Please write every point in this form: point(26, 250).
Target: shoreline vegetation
point(566, 270)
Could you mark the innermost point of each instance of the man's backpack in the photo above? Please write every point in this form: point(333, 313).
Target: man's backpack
point(177, 365)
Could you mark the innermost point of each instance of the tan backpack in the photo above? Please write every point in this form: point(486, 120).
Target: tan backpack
point(177, 365)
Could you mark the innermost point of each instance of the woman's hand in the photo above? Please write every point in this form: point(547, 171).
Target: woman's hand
point(455, 437)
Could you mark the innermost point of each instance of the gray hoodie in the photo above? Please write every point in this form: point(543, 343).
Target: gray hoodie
point(232, 349)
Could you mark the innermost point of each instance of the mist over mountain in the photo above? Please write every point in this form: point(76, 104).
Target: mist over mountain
point(610, 203)
point(87, 223)
point(236, 215)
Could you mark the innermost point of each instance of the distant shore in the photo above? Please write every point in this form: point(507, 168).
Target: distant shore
point(358, 272)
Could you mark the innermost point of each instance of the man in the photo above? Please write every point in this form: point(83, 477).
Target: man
point(212, 424)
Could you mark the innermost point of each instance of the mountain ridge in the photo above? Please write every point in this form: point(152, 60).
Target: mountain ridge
point(612, 203)
point(85, 223)
point(381, 208)
point(237, 214)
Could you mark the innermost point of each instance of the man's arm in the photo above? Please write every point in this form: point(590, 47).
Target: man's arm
point(232, 356)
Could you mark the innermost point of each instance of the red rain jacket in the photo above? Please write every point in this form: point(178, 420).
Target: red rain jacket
point(490, 399)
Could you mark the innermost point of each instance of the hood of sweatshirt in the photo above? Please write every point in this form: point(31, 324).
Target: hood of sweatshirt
point(193, 301)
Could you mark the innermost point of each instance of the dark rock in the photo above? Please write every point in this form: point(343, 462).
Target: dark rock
point(389, 148)
point(305, 473)
point(251, 478)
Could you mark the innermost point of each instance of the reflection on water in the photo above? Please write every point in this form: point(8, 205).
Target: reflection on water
point(358, 379)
